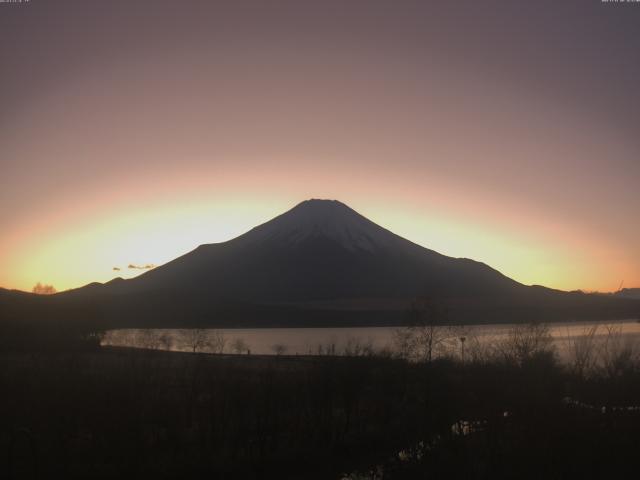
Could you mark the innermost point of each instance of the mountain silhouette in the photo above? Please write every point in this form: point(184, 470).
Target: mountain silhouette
point(321, 263)
point(319, 250)
point(628, 293)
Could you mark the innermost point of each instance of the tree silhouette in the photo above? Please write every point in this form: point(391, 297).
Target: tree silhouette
point(41, 289)
point(427, 332)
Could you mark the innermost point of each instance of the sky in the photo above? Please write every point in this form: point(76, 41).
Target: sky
point(503, 131)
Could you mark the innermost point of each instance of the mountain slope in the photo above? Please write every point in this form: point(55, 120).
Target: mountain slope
point(321, 263)
point(320, 250)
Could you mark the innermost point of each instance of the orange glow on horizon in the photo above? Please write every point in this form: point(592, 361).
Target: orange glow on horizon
point(132, 139)
point(70, 249)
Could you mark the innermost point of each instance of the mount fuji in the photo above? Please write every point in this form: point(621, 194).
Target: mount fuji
point(319, 264)
point(320, 250)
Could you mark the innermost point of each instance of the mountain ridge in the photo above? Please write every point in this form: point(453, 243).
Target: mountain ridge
point(332, 249)
point(320, 263)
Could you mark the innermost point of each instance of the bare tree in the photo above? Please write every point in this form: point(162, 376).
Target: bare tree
point(525, 342)
point(582, 351)
point(279, 349)
point(196, 339)
point(217, 341)
point(239, 346)
point(325, 349)
point(427, 334)
point(356, 347)
point(618, 354)
point(166, 341)
point(475, 350)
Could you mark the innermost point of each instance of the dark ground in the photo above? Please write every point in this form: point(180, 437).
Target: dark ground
point(119, 413)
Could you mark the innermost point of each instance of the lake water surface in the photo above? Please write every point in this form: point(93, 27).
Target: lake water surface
point(358, 340)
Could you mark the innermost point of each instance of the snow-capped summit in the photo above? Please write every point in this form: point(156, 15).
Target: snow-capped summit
point(328, 219)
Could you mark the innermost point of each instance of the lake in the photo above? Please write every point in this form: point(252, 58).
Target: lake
point(567, 337)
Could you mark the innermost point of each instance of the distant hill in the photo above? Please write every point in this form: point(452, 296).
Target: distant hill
point(628, 293)
point(320, 263)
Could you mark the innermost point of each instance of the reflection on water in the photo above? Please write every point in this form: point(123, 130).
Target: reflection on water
point(567, 338)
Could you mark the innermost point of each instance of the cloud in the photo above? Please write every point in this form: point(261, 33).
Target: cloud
point(41, 289)
point(117, 269)
point(148, 266)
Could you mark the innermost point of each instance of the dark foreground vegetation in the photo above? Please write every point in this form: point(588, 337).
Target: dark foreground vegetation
point(120, 413)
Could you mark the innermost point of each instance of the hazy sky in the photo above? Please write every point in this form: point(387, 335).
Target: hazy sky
point(504, 131)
